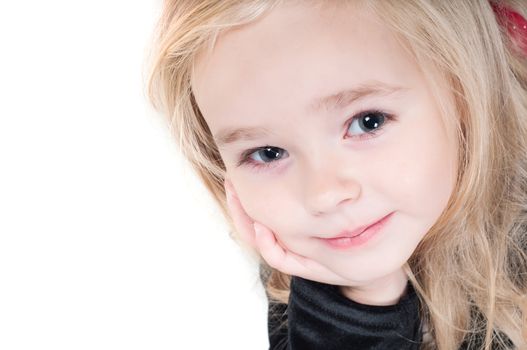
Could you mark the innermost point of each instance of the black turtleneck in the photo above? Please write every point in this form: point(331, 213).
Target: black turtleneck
point(319, 317)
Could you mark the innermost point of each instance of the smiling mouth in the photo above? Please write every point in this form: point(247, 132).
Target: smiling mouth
point(357, 237)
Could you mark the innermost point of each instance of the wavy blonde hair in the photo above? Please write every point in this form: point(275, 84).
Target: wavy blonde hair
point(470, 270)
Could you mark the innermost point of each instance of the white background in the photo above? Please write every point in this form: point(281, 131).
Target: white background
point(107, 240)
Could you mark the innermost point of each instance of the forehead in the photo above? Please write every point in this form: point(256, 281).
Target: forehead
point(298, 53)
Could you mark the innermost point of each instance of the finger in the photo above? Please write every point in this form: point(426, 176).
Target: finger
point(242, 222)
point(290, 263)
point(273, 253)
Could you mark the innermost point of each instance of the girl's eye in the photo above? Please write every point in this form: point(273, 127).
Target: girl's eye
point(367, 124)
point(362, 126)
point(262, 157)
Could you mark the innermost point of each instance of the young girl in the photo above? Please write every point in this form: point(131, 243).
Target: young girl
point(373, 153)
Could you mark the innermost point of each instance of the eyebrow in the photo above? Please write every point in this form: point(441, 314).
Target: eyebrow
point(332, 102)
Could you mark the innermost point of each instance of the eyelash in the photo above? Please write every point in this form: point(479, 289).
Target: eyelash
point(245, 157)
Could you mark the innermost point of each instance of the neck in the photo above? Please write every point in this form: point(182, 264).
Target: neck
point(383, 291)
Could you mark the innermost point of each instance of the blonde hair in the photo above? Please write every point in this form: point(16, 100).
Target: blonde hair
point(470, 270)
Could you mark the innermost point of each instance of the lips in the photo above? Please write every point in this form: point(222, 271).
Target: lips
point(357, 231)
point(358, 237)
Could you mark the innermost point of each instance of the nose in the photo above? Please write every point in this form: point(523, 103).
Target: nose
point(329, 185)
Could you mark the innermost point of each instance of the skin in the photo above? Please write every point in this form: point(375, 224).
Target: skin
point(330, 175)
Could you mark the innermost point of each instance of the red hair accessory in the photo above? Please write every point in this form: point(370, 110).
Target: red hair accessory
point(515, 23)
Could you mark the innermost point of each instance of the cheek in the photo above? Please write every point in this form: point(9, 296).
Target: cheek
point(268, 205)
point(425, 165)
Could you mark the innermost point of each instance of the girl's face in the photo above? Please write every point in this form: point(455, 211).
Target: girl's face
point(326, 124)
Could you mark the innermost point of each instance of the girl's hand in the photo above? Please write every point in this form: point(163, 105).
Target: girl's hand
point(261, 238)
